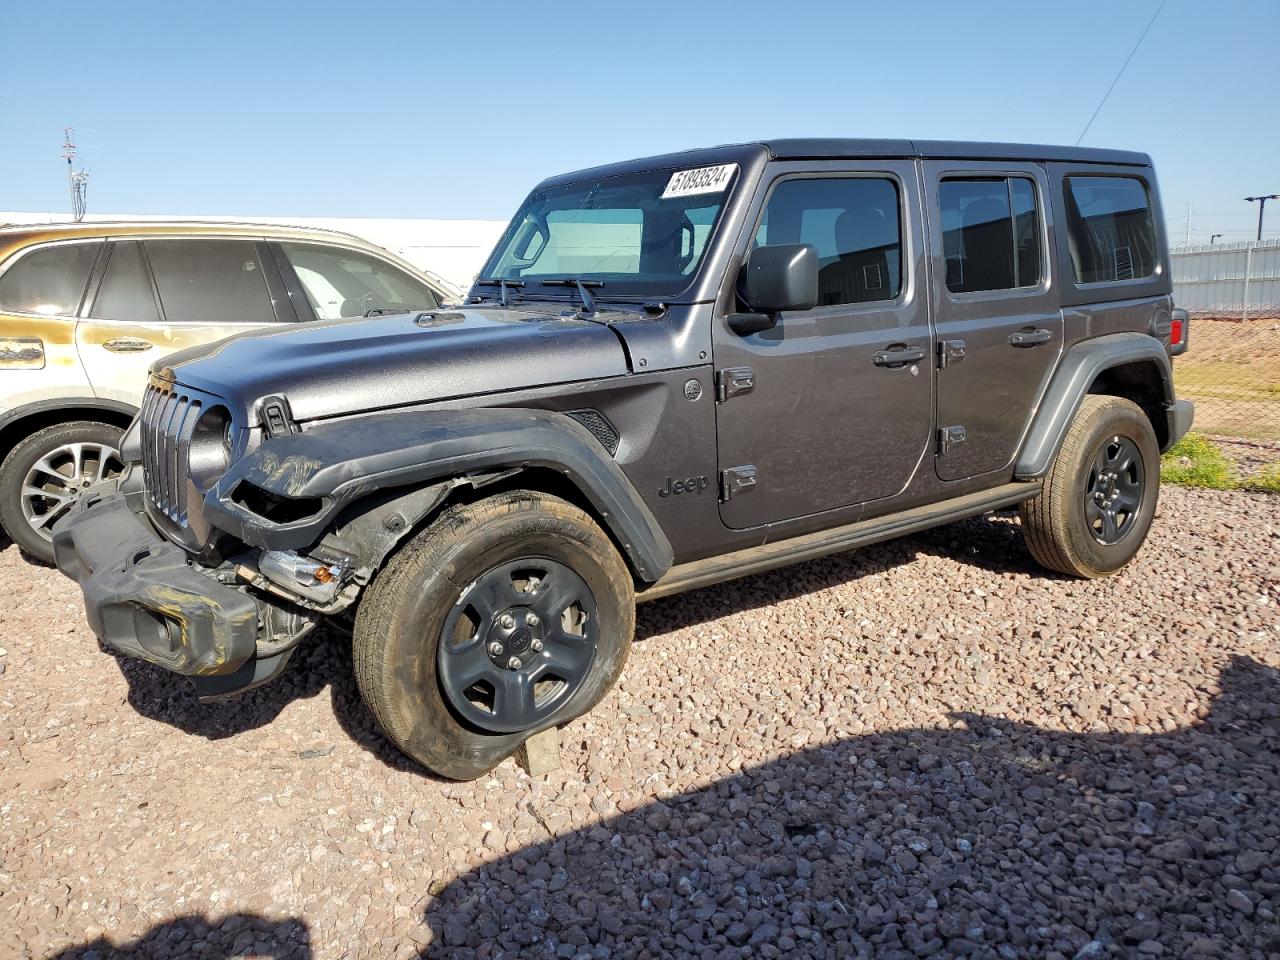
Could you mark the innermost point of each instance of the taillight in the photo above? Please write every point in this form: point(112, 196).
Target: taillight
point(1179, 331)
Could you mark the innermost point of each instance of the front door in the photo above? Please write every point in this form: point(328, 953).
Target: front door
point(995, 310)
point(838, 409)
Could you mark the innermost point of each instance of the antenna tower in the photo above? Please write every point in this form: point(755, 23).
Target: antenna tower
point(77, 179)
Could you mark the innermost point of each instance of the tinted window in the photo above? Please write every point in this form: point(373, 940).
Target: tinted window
point(210, 281)
point(344, 283)
point(50, 281)
point(1110, 232)
point(853, 224)
point(990, 233)
point(126, 292)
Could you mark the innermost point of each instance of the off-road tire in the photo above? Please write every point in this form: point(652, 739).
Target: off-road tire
point(1054, 523)
point(399, 625)
point(19, 462)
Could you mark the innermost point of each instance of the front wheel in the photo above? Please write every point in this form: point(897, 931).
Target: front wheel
point(1099, 497)
point(502, 618)
point(45, 475)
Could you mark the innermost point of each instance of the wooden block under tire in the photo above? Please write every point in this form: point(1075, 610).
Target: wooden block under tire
point(540, 754)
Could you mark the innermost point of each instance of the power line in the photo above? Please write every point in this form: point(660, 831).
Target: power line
point(1120, 72)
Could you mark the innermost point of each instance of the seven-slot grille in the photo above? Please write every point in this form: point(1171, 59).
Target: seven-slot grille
point(169, 415)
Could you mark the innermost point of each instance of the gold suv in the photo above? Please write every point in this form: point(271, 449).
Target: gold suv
point(86, 309)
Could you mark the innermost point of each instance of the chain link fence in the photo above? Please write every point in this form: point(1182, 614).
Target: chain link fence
point(1232, 367)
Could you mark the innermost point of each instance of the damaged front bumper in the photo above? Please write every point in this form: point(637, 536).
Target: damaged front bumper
point(144, 598)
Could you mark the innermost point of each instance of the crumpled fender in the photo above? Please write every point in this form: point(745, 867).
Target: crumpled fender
point(333, 464)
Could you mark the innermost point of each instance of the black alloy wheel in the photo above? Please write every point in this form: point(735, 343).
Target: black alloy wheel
point(518, 644)
point(1114, 490)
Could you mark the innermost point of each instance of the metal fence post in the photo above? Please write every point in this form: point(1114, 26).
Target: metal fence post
point(1248, 273)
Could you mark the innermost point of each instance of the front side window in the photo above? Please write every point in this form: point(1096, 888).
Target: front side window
point(125, 293)
point(990, 233)
point(639, 234)
point(49, 281)
point(343, 283)
point(1110, 232)
point(210, 281)
point(852, 223)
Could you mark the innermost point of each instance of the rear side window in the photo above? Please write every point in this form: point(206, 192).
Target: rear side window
point(210, 281)
point(1109, 229)
point(49, 281)
point(345, 283)
point(852, 223)
point(125, 293)
point(990, 233)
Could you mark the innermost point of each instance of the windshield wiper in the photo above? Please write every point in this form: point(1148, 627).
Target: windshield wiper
point(502, 285)
point(588, 302)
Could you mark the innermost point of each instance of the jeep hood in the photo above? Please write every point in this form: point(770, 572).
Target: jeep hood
point(339, 367)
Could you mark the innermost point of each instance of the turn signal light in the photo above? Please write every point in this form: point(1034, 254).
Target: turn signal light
point(1175, 332)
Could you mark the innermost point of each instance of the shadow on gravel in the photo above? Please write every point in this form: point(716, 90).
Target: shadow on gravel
point(195, 935)
point(990, 839)
point(324, 660)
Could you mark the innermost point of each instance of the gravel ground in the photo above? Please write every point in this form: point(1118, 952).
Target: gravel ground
point(927, 748)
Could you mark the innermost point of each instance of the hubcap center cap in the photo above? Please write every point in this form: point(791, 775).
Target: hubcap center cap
point(515, 638)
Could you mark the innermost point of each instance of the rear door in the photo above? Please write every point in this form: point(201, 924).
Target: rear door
point(156, 296)
point(998, 322)
point(834, 408)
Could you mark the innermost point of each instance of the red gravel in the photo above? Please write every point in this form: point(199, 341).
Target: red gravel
point(925, 748)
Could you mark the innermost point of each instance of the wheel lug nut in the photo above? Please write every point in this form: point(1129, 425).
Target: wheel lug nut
point(532, 619)
point(515, 663)
point(495, 648)
point(536, 646)
point(507, 621)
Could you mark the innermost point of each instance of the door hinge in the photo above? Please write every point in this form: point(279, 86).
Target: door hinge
point(949, 437)
point(737, 480)
point(733, 381)
point(950, 351)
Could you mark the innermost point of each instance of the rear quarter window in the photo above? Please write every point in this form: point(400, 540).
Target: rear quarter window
point(49, 281)
point(1110, 231)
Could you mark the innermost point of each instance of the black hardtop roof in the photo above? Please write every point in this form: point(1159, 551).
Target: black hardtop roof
point(837, 148)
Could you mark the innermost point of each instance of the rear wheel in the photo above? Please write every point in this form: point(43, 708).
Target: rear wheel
point(503, 618)
point(1099, 496)
point(45, 475)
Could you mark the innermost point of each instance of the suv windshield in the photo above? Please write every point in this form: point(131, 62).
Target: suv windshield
point(638, 234)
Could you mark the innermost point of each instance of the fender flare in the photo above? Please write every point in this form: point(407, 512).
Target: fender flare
point(11, 420)
point(9, 417)
point(331, 465)
point(1078, 370)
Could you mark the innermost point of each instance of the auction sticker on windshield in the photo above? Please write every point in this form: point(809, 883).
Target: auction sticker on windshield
point(686, 183)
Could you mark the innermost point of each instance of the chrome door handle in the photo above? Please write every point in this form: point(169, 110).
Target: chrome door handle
point(1030, 338)
point(898, 357)
point(127, 345)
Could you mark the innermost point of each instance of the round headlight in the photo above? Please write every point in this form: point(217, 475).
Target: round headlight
point(210, 451)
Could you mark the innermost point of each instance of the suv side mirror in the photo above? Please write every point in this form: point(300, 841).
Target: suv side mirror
point(775, 279)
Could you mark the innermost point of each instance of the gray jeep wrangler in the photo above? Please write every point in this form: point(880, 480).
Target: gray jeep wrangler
point(670, 372)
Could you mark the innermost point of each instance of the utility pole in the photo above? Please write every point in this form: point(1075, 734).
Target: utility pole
point(78, 180)
point(1262, 206)
point(1187, 241)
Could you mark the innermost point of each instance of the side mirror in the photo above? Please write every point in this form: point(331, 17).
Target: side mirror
point(776, 279)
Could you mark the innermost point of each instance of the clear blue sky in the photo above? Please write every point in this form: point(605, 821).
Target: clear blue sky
point(387, 109)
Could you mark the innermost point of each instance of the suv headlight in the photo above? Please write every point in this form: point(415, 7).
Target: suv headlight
point(210, 452)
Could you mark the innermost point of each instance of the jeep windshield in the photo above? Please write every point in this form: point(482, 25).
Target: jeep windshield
point(634, 235)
